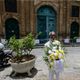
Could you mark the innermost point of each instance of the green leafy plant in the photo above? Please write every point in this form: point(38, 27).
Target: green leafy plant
point(16, 45)
point(28, 43)
point(21, 46)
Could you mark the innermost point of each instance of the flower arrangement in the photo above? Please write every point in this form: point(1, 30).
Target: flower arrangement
point(55, 54)
point(58, 54)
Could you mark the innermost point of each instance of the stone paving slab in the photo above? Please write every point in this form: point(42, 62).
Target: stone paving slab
point(40, 72)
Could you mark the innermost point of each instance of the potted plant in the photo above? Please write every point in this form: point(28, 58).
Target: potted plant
point(23, 61)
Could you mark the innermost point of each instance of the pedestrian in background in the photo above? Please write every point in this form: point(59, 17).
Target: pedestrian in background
point(54, 56)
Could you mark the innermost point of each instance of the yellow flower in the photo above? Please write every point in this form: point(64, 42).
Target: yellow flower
point(57, 54)
point(61, 54)
point(61, 51)
point(51, 56)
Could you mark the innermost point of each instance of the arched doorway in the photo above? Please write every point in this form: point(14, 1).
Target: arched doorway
point(11, 28)
point(46, 22)
point(74, 31)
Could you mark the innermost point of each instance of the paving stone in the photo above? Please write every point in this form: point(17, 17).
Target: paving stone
point(71, 70)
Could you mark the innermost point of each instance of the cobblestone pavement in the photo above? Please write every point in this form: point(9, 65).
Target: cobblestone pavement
point(40, 72)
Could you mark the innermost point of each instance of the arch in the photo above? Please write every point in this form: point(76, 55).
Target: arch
point(45, 9)
point(47, 4)
point(11, 28)
point(46, 22)
point(74, 30)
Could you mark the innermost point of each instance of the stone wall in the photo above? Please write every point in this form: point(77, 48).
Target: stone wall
point(26, 15)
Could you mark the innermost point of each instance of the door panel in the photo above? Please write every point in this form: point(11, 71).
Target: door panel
point(42, 27)
point(51, 24)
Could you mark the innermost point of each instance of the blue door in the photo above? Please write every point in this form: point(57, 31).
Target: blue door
point(46, 22)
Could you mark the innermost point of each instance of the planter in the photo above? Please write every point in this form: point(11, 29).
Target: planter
point(23, 66)
point(22, 61)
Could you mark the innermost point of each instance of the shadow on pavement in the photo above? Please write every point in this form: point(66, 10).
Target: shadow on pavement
point(2, 67)
point(23, 75)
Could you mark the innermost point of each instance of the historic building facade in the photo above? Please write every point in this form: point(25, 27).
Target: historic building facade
point(19, 17)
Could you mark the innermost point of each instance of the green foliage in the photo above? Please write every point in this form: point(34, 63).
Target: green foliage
point(28, 43)
point(46, 55)
point(24, 44)
point(16, 45)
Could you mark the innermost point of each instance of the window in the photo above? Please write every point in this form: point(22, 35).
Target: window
point(11, 5)
point(75, 11)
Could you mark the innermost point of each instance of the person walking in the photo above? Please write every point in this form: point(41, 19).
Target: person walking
point(54, 56)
